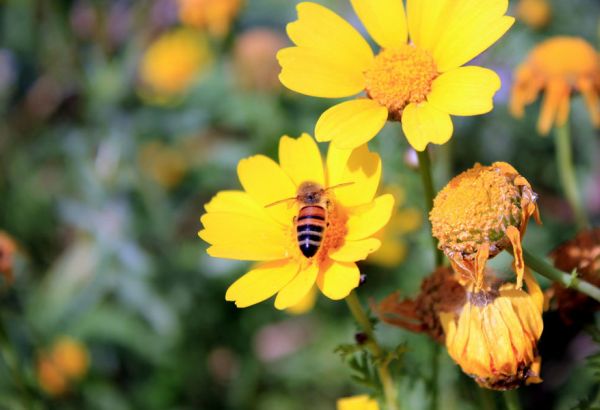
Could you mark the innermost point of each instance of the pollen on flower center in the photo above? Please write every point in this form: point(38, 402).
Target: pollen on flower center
point(400, 76)
point(335, 232)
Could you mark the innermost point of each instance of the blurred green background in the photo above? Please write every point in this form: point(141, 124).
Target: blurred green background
point(119, 121)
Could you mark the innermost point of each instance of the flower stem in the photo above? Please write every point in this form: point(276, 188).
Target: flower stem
point(566, 172)
point(427, 181)
point(512, 400)
point(389, 390)
point(568, 280)
point(435, 365)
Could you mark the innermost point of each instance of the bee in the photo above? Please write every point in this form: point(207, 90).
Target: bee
point(311, 222)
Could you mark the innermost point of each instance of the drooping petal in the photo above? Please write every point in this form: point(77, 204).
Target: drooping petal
point(266, 182)
point(338, 279)
point(352, 251)
point(465, 91)
point(298, 287)
point(423, 124)
point(514, 236)
point(360, 167)
point(301, 160)
point(366, 220)
point(313, 72)
point(351, 123)
point(385, 21)
point(261, 282)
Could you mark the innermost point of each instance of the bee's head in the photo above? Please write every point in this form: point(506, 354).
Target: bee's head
point(310, 193)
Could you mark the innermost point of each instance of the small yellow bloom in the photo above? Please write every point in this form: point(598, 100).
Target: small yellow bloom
point(362, 402)
point(261, 222)
point(480, 213)
point(419, 81)
point(7, 254)
point(65, 363)
point(165, 165)
point(534, 13)
point(173, 62)
point(494, 336)
point(557, 67)
point(214, 16)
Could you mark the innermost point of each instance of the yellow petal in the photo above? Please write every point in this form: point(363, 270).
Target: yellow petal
point(362, 402)
point(338, 279)
point(351, 123)
point(266, 182)
point(261, 283)
point(366, 220)
point(352, 251)
point(298, 287)
point(519, 264)
point(497, 335)
point(384, 20)
point(305, 304)
point(465, 91)
point(423, 124)
point(423, 21)
point(238, 202)
point(359, 166)
point(534, 289)
point(301, 160)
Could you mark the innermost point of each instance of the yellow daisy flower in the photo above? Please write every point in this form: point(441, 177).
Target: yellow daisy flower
point(419, 81)
point(557, 67)
point(362, 402)
point(261, 223)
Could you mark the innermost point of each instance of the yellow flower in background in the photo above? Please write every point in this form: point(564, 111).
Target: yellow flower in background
point(494, 336)
point(214, 16)
point(65, 363)
point(173, 62)
point(362, 402)
point(393, 243)
point(418, 81)
point(534, 13)
point(557, 67)
point(316, 239)
point(163, 164)
point(478, 214)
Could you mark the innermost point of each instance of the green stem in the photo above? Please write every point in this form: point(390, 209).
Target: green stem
point(387, 382)
point(568, 280)
point(512, 400)
point(566, 172)
point(433, 384)
point(427, 181)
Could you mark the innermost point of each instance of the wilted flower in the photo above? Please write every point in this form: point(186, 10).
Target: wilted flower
point(214, 16)
point(481, 212)
point(172, 63)
point(7, 253)
point(64, 364)
point(419, 81)
point(534, 13)
point(263, 223)
point(362, 402)
point(557, 67)
point(164, 164)
point(494, 336)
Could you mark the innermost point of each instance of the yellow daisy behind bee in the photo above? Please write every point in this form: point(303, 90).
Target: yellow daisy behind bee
point(420, 81)
point(306, 222)
point(362, 402)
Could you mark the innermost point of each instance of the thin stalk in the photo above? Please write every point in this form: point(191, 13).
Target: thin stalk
point(389, 390)
point(427, 181)
point(433, 384)
point(512, 400)
point(568, 280)
point(566, 172)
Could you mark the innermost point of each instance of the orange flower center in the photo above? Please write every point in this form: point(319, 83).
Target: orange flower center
point(400, 76)
point(335, 233)
point(567, 57)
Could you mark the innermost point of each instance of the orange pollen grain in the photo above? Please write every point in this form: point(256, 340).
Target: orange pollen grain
point(400, 76)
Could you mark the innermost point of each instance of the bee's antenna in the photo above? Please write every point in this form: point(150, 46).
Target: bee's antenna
point(280, 202)
point(343, 184)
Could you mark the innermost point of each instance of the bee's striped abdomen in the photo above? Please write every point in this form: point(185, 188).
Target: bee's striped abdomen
point(310, 227)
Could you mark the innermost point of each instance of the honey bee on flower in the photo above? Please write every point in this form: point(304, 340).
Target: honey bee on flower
point(297, 246)
point(417, 77)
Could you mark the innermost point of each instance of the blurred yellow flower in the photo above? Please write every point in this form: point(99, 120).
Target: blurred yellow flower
point(393, 244)
point(163, 164)
point(214, 16)
point(557, 67)
point(534, 13)
point(478, 214)
point(7, 253)
point(172, 63)
point(418, 81)
point(65, 363)
point(339, 216)
point(362, 402)
point(494, 336)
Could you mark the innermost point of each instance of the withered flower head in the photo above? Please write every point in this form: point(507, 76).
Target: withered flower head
point(478, 214)
point(494, 337)
point(582, 253)
point(440, 292)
